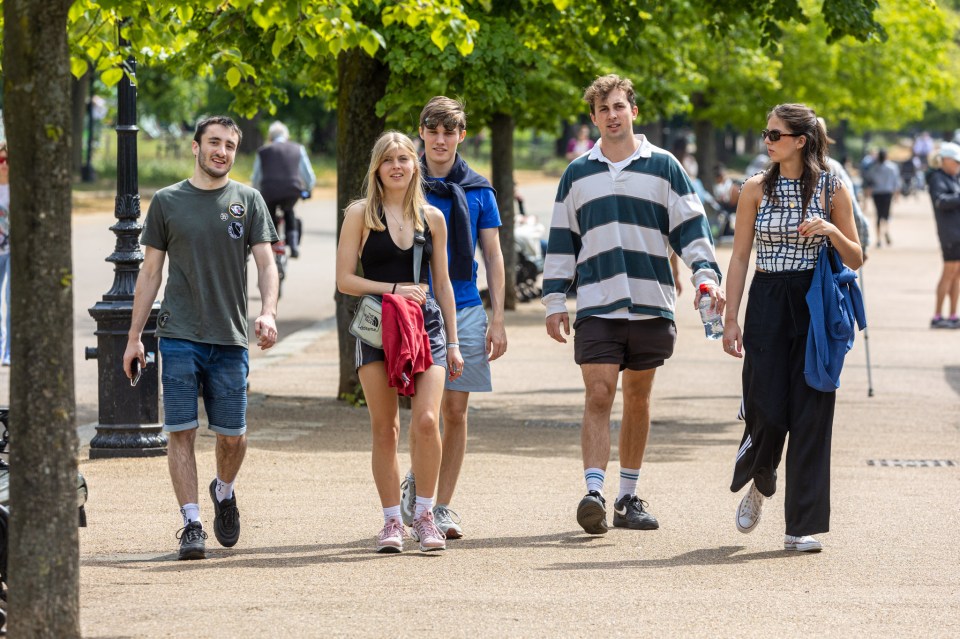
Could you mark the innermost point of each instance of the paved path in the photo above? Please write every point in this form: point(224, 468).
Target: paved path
point(304, 566)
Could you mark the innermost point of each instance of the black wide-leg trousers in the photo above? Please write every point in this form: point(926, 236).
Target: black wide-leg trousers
point(777, 401)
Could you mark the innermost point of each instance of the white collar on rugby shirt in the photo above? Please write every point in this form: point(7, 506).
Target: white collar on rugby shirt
point(644, 150)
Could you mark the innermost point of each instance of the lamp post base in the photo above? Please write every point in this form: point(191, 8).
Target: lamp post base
point(113, 441)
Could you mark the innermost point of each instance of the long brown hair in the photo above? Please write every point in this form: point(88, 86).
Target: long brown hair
point(413, 200)
point(802, 120)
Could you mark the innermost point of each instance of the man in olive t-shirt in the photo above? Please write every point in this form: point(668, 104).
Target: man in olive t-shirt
point(206, 224)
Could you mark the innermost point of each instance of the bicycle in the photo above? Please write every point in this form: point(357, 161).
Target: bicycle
point(280, 252)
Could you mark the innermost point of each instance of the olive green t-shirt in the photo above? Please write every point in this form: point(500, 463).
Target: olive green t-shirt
point(206, 235)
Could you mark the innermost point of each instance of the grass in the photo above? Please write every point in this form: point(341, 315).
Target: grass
point(160, 163)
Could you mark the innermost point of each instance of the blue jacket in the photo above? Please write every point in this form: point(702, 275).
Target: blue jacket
point(835, 302)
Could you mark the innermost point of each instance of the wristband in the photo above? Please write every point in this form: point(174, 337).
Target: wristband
point(453, 344)
point(394, 291)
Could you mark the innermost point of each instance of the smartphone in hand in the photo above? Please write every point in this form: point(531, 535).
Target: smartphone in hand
point(136, 370)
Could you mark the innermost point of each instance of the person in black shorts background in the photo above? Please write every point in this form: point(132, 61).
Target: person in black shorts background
point(944, 185)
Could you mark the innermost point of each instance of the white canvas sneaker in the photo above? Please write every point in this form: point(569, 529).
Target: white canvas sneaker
point(802, 544)
point(749, 510)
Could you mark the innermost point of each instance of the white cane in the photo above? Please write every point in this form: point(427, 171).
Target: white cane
point(866, 337)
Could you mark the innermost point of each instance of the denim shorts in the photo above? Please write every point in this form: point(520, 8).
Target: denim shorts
point(433, 323)
point(220, 371)
point(472, 335)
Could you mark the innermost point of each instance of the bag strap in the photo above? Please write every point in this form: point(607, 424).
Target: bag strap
point(827, 188)
point(419, 240)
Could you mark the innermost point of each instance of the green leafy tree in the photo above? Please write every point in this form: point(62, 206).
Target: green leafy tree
point(876, 74)
point(537, 55)
point(875, 85)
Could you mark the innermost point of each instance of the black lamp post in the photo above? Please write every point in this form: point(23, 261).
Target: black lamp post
point(129, 416)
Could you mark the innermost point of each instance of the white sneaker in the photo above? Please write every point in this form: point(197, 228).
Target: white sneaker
point(749, 510)
point(448, 522)
point(426, 532)
point(390, 539)
point(802, 544)
point(408, 498)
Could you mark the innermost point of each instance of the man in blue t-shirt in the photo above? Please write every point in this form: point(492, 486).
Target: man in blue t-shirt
point(469, 205)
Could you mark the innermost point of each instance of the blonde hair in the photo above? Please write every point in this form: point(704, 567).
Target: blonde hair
point(372, 201)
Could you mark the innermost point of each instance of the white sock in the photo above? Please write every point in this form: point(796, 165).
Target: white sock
point(190, 512)
point(423, 503)
point(628, 481)
point(224, 490)
point(594, 477)
point(393, 512)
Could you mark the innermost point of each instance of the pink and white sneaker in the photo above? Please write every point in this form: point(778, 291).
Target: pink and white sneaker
point(390, 539)
point(426, 532)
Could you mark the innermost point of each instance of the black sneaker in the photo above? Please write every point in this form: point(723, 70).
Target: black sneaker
point(592, 513)
point(630, 512)
point(191, 539)
point(226, 518)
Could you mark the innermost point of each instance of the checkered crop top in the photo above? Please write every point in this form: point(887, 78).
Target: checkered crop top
point(779, 244)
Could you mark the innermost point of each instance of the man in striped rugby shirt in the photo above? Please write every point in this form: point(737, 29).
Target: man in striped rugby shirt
point(620, 211)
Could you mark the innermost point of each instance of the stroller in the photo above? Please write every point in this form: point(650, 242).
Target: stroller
point(5, 507)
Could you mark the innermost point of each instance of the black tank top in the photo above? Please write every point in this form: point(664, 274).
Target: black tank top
point(384, 261)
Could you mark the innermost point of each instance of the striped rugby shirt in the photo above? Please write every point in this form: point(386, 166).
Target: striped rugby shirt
point(614, 231)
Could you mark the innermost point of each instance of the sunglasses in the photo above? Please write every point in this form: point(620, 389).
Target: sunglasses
point(3, 159)
point(776, 134)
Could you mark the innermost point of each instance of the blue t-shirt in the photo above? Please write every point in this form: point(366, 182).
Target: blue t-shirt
point(484, 214)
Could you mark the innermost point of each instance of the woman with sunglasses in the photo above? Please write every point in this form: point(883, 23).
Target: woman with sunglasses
point(783, 210)
point(379, 232)
point(4, 256)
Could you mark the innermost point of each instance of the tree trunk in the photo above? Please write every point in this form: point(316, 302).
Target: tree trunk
point(252, 137)
point(706, 151)
point(839, 133)
point(43, 557)
point(361, 83)
point(653, 131)
point(501, 168)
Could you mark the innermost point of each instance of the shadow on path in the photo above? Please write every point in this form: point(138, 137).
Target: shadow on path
point(724, 555)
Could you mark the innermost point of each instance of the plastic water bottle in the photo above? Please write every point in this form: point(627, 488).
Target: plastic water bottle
point(712, 322)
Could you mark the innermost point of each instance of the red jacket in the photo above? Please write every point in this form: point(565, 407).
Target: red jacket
point(406, 345)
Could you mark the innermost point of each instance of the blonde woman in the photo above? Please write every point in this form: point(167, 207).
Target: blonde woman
point(378, 231)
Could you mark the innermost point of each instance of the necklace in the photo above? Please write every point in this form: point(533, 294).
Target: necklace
point(399, 223)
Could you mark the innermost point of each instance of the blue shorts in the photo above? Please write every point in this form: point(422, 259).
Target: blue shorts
point(472, 335)
point(221, 371)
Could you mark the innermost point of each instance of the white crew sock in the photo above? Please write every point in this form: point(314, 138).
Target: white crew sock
point(423, 503)
point(190, 512)
point(393, 512)
point(224, 490)
point(628, 482)
point(594, 477)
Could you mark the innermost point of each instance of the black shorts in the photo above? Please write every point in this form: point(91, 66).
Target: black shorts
point(951, 251)
point(882, 202)
point(635, 344)
point(432, 322)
